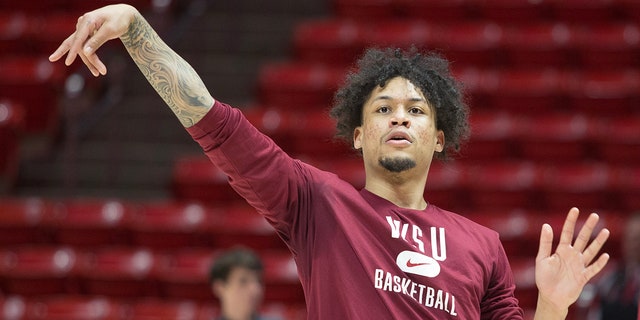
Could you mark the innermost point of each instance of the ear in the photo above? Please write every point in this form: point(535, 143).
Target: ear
point(439, 141)
point(357, 138)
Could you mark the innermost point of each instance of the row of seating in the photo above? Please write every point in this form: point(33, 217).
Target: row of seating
point(88, 307)
point(486, 43)
point(523, 133)
point(512, 184)
point(122, 274)
point(511, 11)
point(300, 85)
point(90, 224)
point(162, 225)
point(127, 271)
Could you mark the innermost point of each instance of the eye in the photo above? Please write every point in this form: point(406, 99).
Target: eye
point(383, 109)
point(415, 110)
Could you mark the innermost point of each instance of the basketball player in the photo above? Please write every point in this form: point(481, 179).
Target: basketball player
point(382, 252)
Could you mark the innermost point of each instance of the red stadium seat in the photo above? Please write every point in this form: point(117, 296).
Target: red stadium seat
point(184, 274)
point(519, 228)
point(536, 45)
point(583, 185)
point(13, 26)
point(524, 277)
point(607, 92)
point(400, 34)
point(275, 123)
point(195, 178)
point(312, 134)
point(470, 43)
point(32, 7)
point(504, 185)
point(337, 42)
point(478, 84)
point(281, 277)
point(90, 222)
point(610, 45)
point(297, 86)
point(445, 186)
point(166, 225)
point(118, 272)
point(32, 270)
point(630, 8)
point(619, 139)
point(363, 9)
point(527, 91)
point(33, 83)
point(435, 10)
point(627, 186)
point(241, 225)
point(158, 309)
point(584, 11)
point(285, 311)
point(491, 136)
point(13, 307)
point(512, 11)
point(71, 307)
point(20, 221)
point(349, 169)
point(555, 137)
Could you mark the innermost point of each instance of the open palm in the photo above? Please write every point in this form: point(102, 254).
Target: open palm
point(561, 276)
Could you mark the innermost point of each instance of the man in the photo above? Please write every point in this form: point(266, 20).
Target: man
point(236, 279)
point(378, 253)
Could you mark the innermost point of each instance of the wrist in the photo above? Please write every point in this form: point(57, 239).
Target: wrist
point(547, 310)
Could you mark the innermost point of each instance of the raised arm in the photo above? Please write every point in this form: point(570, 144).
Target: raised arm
point(170, 75)
point(561, 276)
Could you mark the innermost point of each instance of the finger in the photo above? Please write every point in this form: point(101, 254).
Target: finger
point(595, 246)
point(89, 65)
point(585, 232)
point(97, 63)
point(546, 241)
point(84, 29)
point(62, 49)
point(99, 36)
point(569, 225)
point(90, 47)
point(596, 267)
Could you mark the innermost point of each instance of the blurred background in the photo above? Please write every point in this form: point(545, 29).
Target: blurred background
point(108, 209)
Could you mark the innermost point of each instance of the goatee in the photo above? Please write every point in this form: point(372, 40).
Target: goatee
point(397, 164)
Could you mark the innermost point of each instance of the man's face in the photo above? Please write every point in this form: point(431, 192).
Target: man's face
point(241, 294)
point(398, 130)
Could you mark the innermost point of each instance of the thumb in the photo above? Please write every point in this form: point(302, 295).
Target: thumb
point(546, 241)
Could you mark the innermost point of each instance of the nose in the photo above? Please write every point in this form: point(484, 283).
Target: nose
point(400, 118)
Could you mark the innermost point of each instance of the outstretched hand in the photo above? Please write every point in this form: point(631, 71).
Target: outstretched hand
point(92, 31)
point(561, 276)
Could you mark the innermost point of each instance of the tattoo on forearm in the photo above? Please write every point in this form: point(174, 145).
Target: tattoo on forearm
point(170, 75)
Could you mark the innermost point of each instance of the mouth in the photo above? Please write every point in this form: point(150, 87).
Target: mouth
point(399, 138)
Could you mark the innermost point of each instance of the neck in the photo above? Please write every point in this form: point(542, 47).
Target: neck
point(404, 189)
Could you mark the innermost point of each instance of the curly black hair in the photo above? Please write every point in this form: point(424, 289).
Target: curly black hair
point(427, 71)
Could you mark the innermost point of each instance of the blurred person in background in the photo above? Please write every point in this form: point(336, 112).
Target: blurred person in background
point(615, 296)
point(236, 279)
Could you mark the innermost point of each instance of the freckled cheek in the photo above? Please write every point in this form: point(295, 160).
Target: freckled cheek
point(372, 133)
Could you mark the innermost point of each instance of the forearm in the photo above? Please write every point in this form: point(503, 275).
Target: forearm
point(171, 76)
